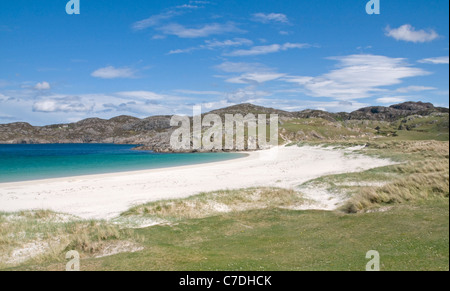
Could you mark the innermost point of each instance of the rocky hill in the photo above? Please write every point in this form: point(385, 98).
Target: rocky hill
point(395, 112)
point(247, 108)
point(120, 130)
point(154, 132)
point(379, 113)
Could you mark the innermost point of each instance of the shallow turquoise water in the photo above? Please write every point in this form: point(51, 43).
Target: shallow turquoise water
point(31, 162)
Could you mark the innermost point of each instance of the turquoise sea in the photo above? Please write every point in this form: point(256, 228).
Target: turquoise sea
point(31, 162)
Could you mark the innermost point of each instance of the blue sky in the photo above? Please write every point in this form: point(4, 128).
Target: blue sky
point(144, 58)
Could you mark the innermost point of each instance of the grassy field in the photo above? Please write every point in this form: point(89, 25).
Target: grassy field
point(433, 127)
point(408, 237)
point(401, 211)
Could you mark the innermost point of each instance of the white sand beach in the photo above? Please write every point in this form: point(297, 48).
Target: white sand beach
point(106, 196)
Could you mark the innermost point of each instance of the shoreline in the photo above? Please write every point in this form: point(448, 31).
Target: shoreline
point(105, 196)
point(124, 173)
point(31, 180)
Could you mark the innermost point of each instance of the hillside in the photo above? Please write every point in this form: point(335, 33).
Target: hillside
point(415, 119)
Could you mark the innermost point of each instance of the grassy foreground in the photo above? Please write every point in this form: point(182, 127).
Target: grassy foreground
point(409, 237)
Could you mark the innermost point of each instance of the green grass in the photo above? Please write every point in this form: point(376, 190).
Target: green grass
point(417, 135)
point(432, 127)
point(408, 237)
point(317, 129)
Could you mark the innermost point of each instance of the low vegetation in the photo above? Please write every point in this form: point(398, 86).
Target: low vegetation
point(40, 236)
point(408, 237)
point(422, 173)
point(414, 127)
point(216, 203)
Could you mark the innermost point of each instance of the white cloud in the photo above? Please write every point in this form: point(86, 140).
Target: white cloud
point(358, 76)
point(65, 104)
point(267, 49)
point(215, 44)
point(257, 50)
point(246, 95)
point(140, 105)
point(201, 31)
point(255, 78)
point(228, 43)
point(42, 86)
point(391, 100)
point(137, 103)
point(408, 33)
point(436, 61)
point(62, 108)
point(7, 117)
point(113, 73)
point(157, 19)
point(414, 89)
point(143, 95)
point(199, 2)
point(272, 17)
point(288, 45)
point(188, 6)
point(153, 20)
point(182, 51)
point(299, 105)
